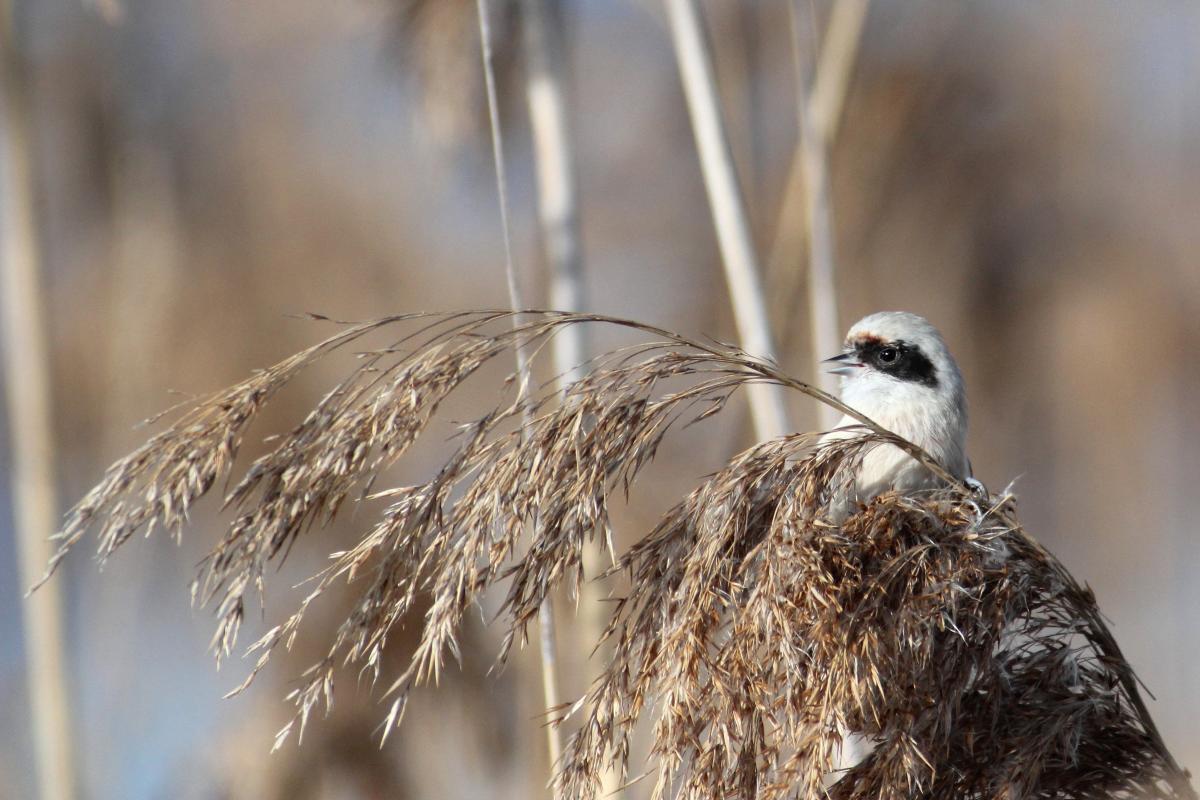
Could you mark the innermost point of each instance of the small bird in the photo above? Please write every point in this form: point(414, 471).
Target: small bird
point(897, 370)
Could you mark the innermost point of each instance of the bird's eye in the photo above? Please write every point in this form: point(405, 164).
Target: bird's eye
point(888, 355)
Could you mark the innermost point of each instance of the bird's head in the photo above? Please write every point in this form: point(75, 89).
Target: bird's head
point(893, 361)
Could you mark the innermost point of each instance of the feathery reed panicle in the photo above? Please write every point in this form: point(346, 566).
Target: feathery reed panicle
point(931, 625)
point(764, 621)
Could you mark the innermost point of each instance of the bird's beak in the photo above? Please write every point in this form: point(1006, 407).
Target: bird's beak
point(845, 364)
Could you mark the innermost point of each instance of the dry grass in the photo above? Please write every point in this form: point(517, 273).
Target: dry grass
point(755, 631)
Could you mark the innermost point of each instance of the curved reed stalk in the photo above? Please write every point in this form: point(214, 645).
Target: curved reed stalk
point(755, 630)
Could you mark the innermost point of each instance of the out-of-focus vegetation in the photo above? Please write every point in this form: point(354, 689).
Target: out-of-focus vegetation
point(1025, 175)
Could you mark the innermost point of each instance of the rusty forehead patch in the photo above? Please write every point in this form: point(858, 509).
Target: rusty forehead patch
point(863, 339)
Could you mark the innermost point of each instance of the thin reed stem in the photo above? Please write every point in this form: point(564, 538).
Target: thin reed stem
point(742, 273)
point(824, 334)
point(548, 647)
point(26, 361)
point(822, 111)
point(557, 189)
point(547, 73)
point(510, 272)
point(835, 67)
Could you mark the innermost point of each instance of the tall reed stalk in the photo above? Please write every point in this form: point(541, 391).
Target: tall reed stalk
point(547, 636)
point(546, 94)
point(27, 380)
point(742, 272)
point(547, 68)
point(825, 333)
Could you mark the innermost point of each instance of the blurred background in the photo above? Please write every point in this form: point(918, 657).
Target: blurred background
point(1027, 175)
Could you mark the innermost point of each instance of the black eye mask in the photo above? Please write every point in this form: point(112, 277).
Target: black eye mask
point(899, 359)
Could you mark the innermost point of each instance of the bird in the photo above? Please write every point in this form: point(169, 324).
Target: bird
point(896, 369)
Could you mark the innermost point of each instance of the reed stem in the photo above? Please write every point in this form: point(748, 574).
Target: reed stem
point(35, 503)
point(825, 332)
point(819, 113)
point(742, 273)
point(548, 649)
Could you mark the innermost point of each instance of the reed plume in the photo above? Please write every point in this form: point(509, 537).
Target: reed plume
point(758, 628)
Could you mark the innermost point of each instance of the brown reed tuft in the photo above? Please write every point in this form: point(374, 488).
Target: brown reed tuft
point(757, 631)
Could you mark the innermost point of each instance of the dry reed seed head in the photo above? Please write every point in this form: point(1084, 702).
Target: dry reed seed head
point(762, 623)
point(961, 651)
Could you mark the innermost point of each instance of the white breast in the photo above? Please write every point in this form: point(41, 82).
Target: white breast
point(885, 467)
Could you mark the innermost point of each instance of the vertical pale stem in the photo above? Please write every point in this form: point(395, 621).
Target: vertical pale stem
point(839, 52)
point(557, 195)
point(831, 82)
point(546, 631)
point(822, 293)
point(742, 273)
point(26, 360)
point(558, 217)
